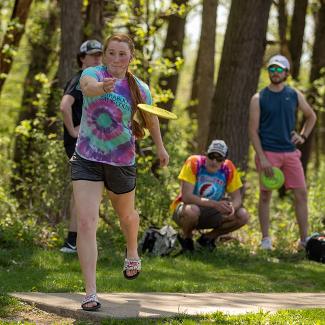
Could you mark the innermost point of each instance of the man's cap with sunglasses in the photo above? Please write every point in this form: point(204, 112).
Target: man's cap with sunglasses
point(91, 47)
point(219, 147)
point(280, 61)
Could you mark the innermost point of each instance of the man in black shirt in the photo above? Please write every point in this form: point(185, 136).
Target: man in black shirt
point(90, 55)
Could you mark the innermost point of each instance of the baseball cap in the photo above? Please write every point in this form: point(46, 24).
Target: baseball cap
point(218, 146)
point(91, 47)
point(279, 60)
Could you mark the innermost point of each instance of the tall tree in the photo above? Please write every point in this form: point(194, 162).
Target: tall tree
point(205, 70)
point(71, 28)
point(138, 14)
point(297, 30)
point(283, 25)
point(71, 36)
point(193, 104)
point(173, 49)
point(12, 37)
point(240, 65)
point(94, 22)
point(317, 64)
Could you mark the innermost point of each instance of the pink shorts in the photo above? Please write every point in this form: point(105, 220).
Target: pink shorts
point(290, 164)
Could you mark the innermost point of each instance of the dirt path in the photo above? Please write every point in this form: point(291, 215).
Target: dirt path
point(34, 315)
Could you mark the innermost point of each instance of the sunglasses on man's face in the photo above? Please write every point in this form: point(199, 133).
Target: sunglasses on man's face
point(276, 69)
point(215, 157)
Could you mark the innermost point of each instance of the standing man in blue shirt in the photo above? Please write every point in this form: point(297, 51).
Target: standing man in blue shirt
point(90, 55)
point(272, 124)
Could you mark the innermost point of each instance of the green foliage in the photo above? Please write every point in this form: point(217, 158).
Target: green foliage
point(318, 89)
point(40, 181)
point(6, 167)
point(9, 306)
point(9, 51)
point(43, 172)
point(28, 231)
point(316, 198)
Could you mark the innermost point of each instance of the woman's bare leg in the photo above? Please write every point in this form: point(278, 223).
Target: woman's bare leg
point(87, 196)
point(124, 205)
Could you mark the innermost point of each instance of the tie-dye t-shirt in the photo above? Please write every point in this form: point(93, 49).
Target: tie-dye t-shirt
point(105, 131)
point(209, 185)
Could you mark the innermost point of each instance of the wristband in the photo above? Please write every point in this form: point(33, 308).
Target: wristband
point(304, 137)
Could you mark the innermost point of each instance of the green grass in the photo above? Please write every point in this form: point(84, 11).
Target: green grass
point(311, 316)
point(230, 268)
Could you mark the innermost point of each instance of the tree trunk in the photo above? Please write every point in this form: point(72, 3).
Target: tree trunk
point(71, 27)
point(173, 48)
point(94, 24)
point(321, 130)
point(193, 105)
point(138, 14)
point(12, 37)
point(206, 70)
point(317, 64)
point(318, 55)
point(240, 65)
point(283, 25)
point(297, 35)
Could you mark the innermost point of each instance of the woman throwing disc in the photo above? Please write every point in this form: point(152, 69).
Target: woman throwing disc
point(105, 155)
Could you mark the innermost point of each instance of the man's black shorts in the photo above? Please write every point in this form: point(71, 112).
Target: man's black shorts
point(117, 179)
point(209, 217)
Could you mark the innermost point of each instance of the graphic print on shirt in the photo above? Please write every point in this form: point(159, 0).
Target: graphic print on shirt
point(210, 186)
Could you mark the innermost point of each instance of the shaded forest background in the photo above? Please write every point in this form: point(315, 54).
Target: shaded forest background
point(203, 59)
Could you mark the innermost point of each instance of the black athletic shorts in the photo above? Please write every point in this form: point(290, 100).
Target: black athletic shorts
point(209, 217)
point(117, 179)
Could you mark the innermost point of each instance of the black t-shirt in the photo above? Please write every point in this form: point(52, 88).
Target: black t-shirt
point(71, 89)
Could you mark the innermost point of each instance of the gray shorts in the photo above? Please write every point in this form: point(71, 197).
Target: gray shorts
point(208, 218)
point(117, 179)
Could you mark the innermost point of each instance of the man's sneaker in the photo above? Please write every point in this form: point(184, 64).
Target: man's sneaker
point(186, 243)
point(302, 244)
point(206, 242)
point(68, 248)
point(266, 243)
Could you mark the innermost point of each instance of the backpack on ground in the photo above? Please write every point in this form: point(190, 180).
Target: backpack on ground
point(158, 242)
point(315, 248)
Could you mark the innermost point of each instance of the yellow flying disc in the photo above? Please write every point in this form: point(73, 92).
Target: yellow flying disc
point(275, 182)
point(163, 113)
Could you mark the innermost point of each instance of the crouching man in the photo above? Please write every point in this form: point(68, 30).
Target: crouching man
point(201, 203)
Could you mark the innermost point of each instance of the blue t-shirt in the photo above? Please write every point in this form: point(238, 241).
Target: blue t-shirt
point(105, 130)
point(277, 119)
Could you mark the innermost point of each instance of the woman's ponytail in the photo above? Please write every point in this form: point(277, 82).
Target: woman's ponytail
point(139, 119)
